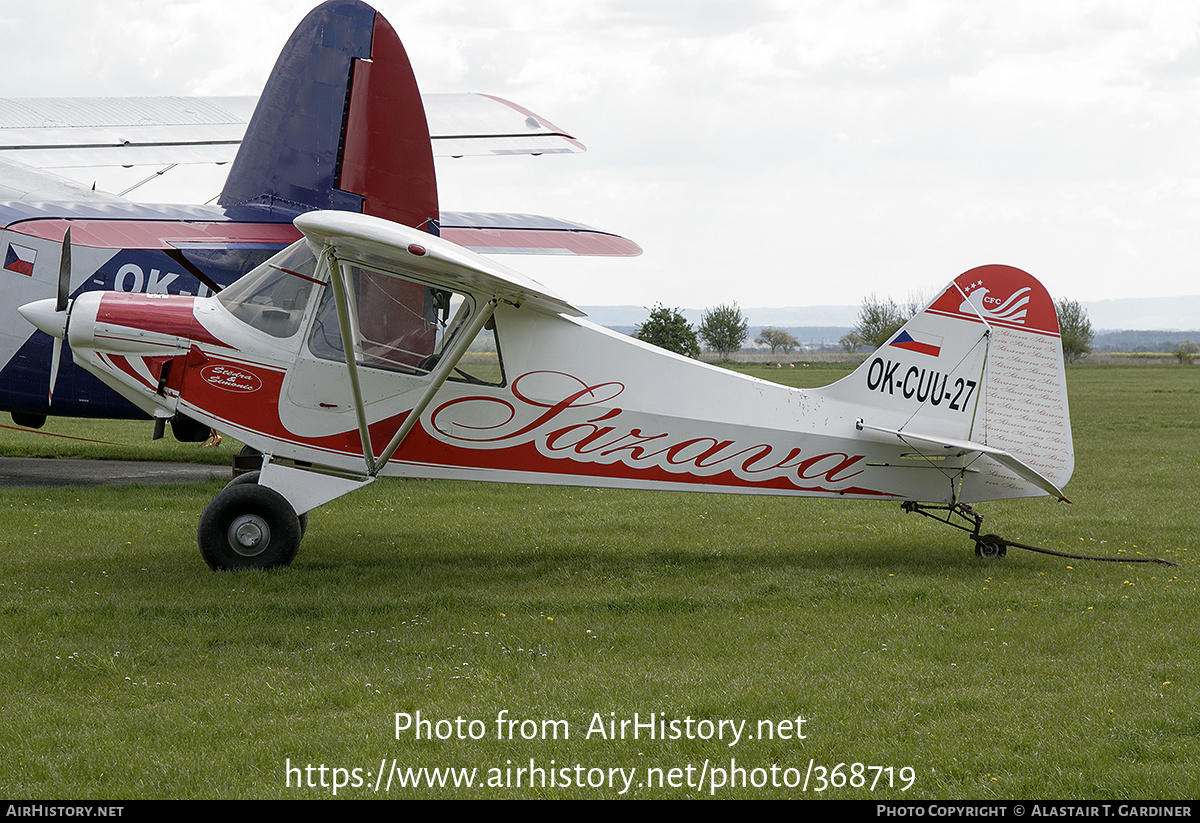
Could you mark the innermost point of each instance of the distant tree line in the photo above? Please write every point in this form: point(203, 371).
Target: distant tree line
point(723, 330)
point(777, 339)
point(670, 330)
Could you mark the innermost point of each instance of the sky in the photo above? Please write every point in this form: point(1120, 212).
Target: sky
point(767, 152)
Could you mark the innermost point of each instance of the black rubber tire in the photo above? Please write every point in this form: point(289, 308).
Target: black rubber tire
point(248, 477)
point(29, 421)
point(990, 546)
point(248, 526)
point(187, 430)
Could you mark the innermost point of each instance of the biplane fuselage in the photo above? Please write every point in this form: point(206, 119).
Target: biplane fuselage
point(340, 125)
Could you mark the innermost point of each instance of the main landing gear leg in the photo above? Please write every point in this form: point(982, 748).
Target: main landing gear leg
point(252, 523)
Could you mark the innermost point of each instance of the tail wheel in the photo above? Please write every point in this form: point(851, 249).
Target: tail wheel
point(990, 546)
point(248, 526)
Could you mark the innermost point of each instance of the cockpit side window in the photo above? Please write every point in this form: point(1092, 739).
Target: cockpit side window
point(402, 325)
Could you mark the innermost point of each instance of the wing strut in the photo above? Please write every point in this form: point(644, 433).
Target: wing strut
point(336, 279)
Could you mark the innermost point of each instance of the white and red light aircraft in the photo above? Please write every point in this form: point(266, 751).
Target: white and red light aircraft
point(371, 347)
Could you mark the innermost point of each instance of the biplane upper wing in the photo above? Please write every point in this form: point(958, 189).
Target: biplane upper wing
point(80, 132)
point(77, 132)
point(482, 124)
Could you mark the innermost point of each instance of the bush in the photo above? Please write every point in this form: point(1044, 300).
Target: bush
point(724, 329)
point(1075, 328)
point(670, 330)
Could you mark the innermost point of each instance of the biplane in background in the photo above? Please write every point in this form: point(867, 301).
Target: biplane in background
point(340, 125)
point(373, 347)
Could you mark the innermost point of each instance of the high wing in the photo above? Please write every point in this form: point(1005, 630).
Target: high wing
point(378, 243)
point(80, 132)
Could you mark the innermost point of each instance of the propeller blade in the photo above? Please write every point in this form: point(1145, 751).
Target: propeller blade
point(55, 357)
point(64, 273)
point(64, 297)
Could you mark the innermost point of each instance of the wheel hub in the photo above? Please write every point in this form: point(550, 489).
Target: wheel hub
point(249, 535)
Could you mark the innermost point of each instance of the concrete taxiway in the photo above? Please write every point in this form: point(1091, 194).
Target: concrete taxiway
point(41, 471)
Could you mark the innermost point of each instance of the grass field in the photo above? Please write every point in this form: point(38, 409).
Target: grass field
point(129, 669)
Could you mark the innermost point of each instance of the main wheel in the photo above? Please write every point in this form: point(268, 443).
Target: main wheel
point(187, 430)
point(248, 526)
point(29, 421)
point(990, 546)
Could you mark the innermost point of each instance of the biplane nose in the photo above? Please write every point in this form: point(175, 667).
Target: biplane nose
point(45, 315)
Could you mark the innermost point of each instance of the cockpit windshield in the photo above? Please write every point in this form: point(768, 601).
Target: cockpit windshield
point(396, 324)
point(272, 298)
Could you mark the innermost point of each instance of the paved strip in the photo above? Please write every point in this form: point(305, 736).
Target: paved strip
point(42, 471)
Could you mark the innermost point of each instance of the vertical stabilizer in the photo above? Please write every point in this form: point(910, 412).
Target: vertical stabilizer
point(978, 371)
point(340, 125)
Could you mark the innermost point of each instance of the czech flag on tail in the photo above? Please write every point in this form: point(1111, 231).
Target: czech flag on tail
point(921, 343)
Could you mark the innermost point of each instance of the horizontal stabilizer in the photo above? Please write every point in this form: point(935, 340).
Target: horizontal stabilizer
point(964, 447)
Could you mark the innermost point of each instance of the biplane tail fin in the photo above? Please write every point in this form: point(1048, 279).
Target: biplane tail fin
point(340, 125)
point(977, 374)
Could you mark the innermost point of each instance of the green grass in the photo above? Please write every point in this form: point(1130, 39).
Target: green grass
point(128, 669)
point(106, 440)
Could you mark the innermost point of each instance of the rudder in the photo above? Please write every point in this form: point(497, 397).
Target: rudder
point(340, 125)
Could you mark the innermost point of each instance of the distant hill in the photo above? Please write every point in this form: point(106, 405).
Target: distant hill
point(1134, 340)
point(1169, 313)
point(785, 318)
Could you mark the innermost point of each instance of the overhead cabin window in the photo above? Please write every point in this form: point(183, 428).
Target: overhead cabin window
point(405, 326)
point(272, 298)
